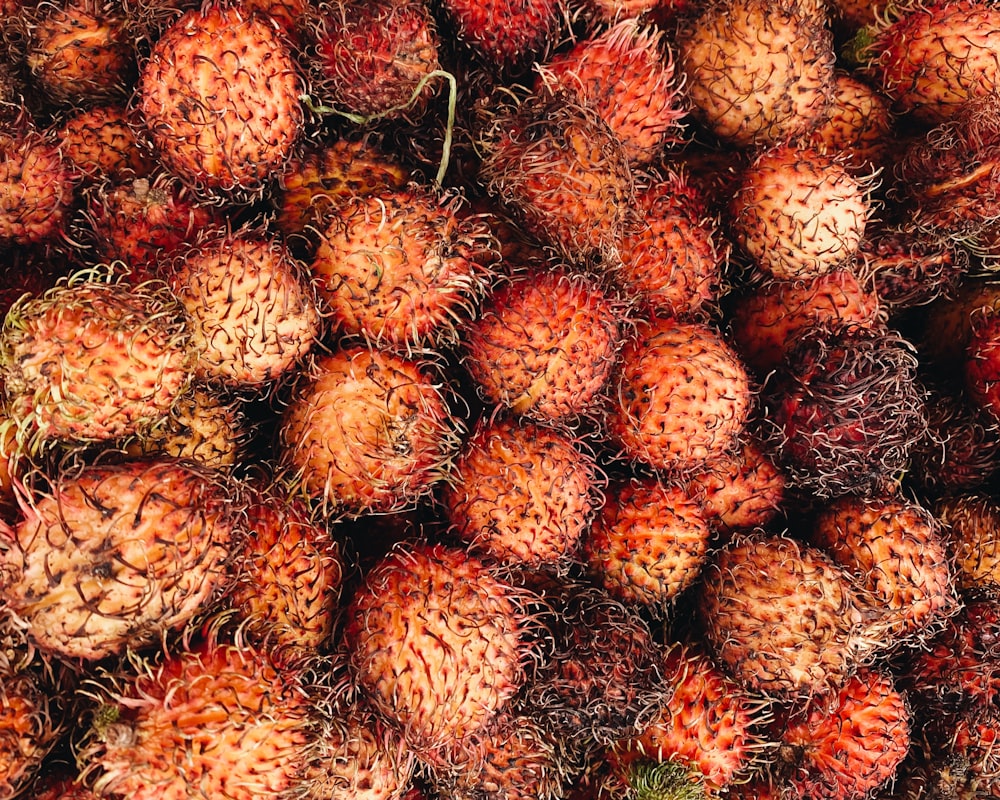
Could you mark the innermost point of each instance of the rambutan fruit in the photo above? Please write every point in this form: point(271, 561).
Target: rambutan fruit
point(740, 491)
point(860, 125)
point(681, 396)
point(781, 616)
point(515, 758)
point(932, 57)
point(404, 267)
point(598, 679)
point(30, 727)
point(522, 493)
point(897, 552)
point(527, 30)
point(37, 186)
point(93, 359)
point(373, 59)
point(648, 543)
point(316, 181)
point(99, 142)
point(847, 743)
point(625, 73)
point(946, 179)
point(220, 103)
point(910, 267)
point(544, 343)
point(706, 723)
point(438, 643)
point(113, 556)
point(78, 52)
point(204, 425)
point(982, 362)
point(368, 430)
point(288, 575)
point(217, 713)
point(144, 222)
point(948, 322)
point(961, 449)
point(845, 409)
point(798, 213)
point(254, 314)
point(757, 72)
point(960, 666)
point(766, 320)
point(673, 258)
point(561, 171)
point(355, 756)
point(970, 522)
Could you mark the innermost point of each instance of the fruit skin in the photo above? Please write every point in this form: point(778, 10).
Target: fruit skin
point(969, 522)
point(673, 258)
point(211, 67)
point(648, 543)
point(707, 723)
point(982, 363)
point(781, 616)
point(36, 186)
point(368, 430)
point(798, 213)
point(368, 59)
point(114, 556)
point(844, 410)
point(766, 320)
point(215, 712)
point(544, 344)
point(100, 143)
point(849, 743)
point(626, 74)
point(92, 360)
point(525, 34)
point(437, 643)
point(560, 170)
point(403, 267)
point(522, 493)
point(681, 396)
point(932, 57)
point(253, 310)
point(756, 72)
point(897, 551)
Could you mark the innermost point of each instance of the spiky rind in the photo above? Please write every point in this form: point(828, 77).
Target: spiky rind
point(114, 556)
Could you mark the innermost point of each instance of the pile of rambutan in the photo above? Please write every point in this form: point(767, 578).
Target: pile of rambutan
point(499, 400)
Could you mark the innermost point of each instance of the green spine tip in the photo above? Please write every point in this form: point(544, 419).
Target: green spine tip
point(664, 780)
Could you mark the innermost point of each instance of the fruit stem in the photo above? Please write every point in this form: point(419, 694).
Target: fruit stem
point(449, 129)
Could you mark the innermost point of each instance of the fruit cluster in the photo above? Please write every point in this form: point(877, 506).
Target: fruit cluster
point(499, 399)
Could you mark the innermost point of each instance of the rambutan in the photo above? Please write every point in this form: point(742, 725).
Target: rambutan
point(544, 343)
point(522, 493)
point(897, 552)
point(99, 142)
point(220, 100)
point(648, 543)
point(798, 213)
point(970, 522)
point(216, 713)
point(845, 409)
point(767, 319)
point(681, 396)
point(673, 258)
point(626, 74)
point(438, 643)
point(373, 59)
point(847, 743)
point(368, 430)
point(113, 556)
point(527, 30)
point(757, 72)
point(253, 310)
point(93, 360)
point(781, 616)
point(932, 57)
point(403, 267)
point(561, 171)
